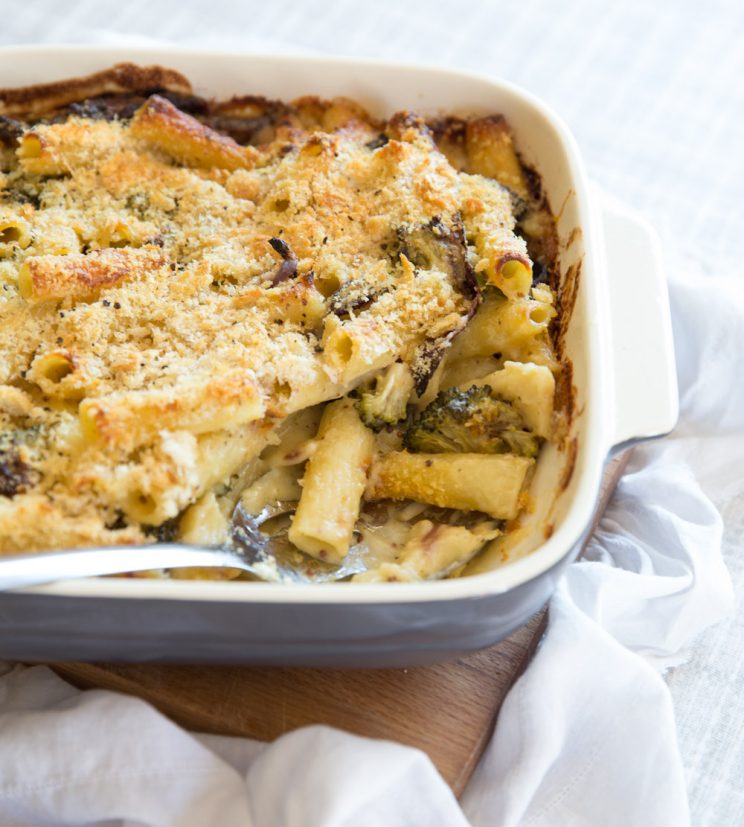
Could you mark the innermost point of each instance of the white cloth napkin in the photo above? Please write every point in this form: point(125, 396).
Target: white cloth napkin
point(585, 737)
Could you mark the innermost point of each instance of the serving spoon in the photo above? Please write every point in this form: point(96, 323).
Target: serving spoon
point(248, 549)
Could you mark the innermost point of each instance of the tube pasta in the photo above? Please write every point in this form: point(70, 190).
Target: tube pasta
point(15, 232)
point(222, 454)
point(502, 256)
point(490, 152)
point(203, 523)
point(276, 485)
point(505, 327)
point(160, 123)
point(129, 418)
point(60, 149)
point(58, 374)
point(353, 349)
point(397, 321)
point(333, 485)
point(81, 276)
point(179, 468)
point(490, 483)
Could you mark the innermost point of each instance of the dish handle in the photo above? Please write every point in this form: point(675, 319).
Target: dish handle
point(644, 369)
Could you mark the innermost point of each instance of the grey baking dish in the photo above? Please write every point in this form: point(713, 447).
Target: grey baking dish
point(619, 341)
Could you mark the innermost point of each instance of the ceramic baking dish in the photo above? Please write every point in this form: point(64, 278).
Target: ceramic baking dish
point(619, 341)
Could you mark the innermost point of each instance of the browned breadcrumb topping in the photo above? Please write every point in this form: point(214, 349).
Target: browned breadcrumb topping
point(151, 254)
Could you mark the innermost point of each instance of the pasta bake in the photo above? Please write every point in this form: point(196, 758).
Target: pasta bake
point(338, 328)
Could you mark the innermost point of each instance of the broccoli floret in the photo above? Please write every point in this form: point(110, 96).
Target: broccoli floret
point(386, 402)
point(470, 421)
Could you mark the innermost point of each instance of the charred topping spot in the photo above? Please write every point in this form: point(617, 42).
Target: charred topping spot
point(534, 181)
point(377, 142)
point(518, 204)
point(540, 273)
point(243, 130)
point(354, 295)
point(192, 104)
point(21, 196)
point(425, 361)
point(10, 131)
point(122, 106)
point(15, 475)
point(102, 108)
point(166, 532)
point(450, 128)
point(401, 122)
point(139, 203)
point(118, 522)
point(248, 119)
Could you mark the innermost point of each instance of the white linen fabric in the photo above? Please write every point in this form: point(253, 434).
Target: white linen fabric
point(591, 734)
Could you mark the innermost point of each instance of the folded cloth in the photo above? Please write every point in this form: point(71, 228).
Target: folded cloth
point(585, 737)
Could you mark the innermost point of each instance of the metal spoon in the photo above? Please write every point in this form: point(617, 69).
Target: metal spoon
point(266, 557)
point(273, 557)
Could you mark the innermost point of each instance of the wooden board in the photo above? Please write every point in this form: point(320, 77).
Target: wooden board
point(448, 710)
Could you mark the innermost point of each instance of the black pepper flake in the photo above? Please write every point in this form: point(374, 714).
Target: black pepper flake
point(117, 306)
point(59, 340)
point(428, 463)
point(325, 240)
point(61, 315)
point(106, 303)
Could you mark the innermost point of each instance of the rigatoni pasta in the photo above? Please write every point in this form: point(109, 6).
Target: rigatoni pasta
point(334, 481)
point(341, 327)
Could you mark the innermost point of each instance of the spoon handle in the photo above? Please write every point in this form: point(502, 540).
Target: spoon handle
point(34, 569)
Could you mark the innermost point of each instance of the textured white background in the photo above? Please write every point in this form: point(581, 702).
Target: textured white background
point(654, 93)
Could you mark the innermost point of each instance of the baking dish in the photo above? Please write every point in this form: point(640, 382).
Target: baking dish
point(618, 340)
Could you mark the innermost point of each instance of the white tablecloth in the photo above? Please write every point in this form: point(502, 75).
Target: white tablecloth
point(654, 94)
